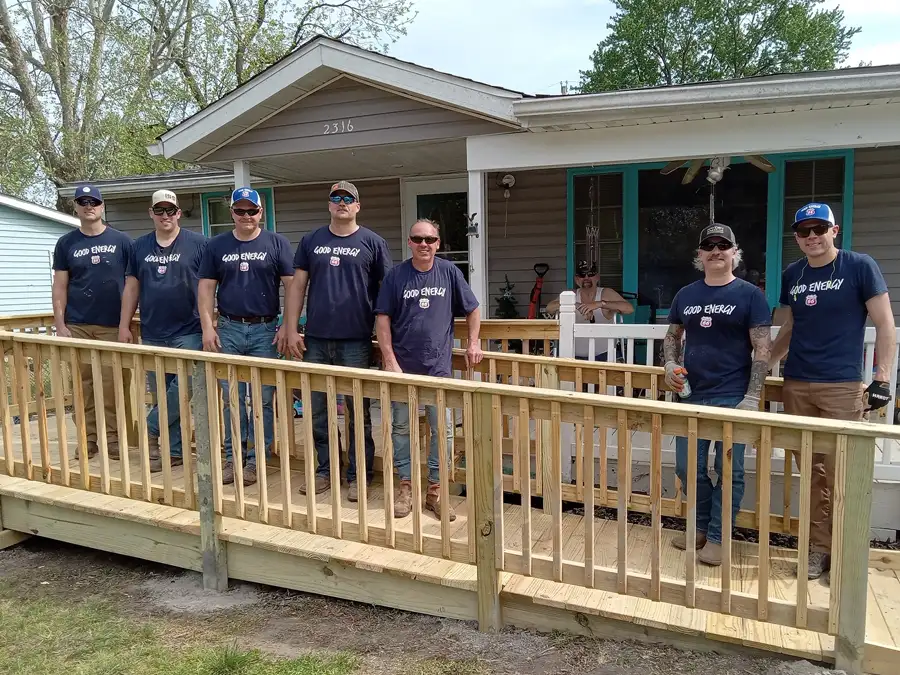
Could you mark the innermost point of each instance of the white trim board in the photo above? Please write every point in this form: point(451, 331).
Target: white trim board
point(809, 130)
point(40, 211)
point(412, 188)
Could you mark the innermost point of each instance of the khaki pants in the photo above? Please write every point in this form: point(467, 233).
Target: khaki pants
point(831, 400)
point(109, 334)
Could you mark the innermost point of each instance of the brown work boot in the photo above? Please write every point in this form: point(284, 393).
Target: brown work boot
point(92, 450)
point(228, 473)
point(403, 499)
point(353, 492)
point(156, 463)
point(249, 474)
point(679, 541)
point(112, 448)
point(433, 502)
point(321, 485)
point(711, 554)
point(153, 447)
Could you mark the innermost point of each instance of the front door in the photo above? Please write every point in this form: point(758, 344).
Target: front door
point(444, 201)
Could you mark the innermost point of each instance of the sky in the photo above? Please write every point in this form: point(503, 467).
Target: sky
point(532, 45)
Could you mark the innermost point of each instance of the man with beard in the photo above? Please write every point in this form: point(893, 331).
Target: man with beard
point(829, 295)
point(725, 358)
point(593, 304)
point(163, 274)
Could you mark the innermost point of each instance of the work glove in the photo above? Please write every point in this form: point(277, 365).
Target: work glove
point(877, 395)
point(675, 375)
point(749, 403)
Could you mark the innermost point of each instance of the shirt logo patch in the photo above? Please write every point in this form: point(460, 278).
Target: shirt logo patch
point(706, 321)
point(245, 266)
point(95, 259)
point(335, 261)
point(424, 303)
point(811, 300)
point(161, 269)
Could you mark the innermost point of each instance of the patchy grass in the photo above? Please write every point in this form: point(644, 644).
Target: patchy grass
point(442, 666)
point(48, 637)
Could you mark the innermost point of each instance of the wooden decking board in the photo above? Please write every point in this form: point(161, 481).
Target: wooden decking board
point(884, 587)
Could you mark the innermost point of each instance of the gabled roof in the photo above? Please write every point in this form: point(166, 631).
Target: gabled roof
point(38, 210)
point(312, 66)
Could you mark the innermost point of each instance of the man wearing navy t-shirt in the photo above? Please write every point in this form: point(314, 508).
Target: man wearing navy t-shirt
point(246, 266)
point(416, 306)
point(342, 265)
point(829, 295)
point(163, 274)
point(89, 276)
point(725, 358)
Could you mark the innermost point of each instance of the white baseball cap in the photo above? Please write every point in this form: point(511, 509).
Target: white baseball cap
point(163, 196)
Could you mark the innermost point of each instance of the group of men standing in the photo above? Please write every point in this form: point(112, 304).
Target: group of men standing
point(727, 352)
point(342, 272)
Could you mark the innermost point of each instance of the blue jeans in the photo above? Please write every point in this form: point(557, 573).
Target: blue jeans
point(193, 341)
point(353, 354)
point(709, 497)
point(248, 339)
point(400, 438)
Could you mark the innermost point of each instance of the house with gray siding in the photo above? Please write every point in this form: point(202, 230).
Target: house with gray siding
point(29, 232)
point(514, 180)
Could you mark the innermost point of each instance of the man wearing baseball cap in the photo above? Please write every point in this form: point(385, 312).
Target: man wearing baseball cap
point(246, 266)
point(829, 295)
point(725, 361)
point(162, 277)
point(342, 265)
point(89, 277)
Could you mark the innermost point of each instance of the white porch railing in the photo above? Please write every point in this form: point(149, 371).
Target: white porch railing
point(623, 341)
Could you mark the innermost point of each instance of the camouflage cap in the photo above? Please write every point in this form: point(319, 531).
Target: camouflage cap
point(347, 187)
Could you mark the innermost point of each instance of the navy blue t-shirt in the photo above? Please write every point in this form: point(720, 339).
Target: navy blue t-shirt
point(828, 305)
point(422, 306)
point(96, 267)
point(248, 272)
point(717, 322)
point(344, 276)
point(168, 280)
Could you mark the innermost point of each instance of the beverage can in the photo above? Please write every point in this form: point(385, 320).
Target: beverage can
point(686, 390)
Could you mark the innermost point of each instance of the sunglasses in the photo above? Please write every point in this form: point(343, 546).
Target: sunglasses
point(87, 201)
point(818, 229)
point(165, 210)
point(418, 239)
point(245, 212)
point(337, 199)
point(721, 245)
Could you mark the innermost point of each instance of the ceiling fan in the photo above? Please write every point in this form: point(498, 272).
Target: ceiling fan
point(717, 166)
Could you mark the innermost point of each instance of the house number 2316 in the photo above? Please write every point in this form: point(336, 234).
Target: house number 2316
point(341, 127)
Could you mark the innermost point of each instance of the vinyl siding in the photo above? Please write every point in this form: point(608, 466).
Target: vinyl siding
point(131, 215)
point(532, 231)
point(321, 121)
point(26, 275)
point(876, 212)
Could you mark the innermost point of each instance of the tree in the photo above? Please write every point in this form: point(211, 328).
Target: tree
point(86, 85)
point(668, 42)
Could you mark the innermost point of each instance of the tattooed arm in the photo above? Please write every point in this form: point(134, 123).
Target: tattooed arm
point(672, 345)
point(761, 339)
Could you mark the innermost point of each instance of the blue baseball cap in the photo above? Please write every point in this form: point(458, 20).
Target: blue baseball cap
point(814, 211)
point(88, 191)
point(247, 193)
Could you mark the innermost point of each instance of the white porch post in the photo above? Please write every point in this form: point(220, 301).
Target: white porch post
point(478, 273)
point(567, 351)
point(241, 174)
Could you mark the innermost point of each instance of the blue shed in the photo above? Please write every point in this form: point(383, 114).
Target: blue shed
point(29, 233)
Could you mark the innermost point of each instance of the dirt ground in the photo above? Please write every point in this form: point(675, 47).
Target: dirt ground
point(286, 624)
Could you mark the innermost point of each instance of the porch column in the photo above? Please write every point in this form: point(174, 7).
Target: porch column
point(241, 173)
point(478, 273)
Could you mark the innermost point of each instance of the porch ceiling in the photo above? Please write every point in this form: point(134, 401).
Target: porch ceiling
point(406, 160)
